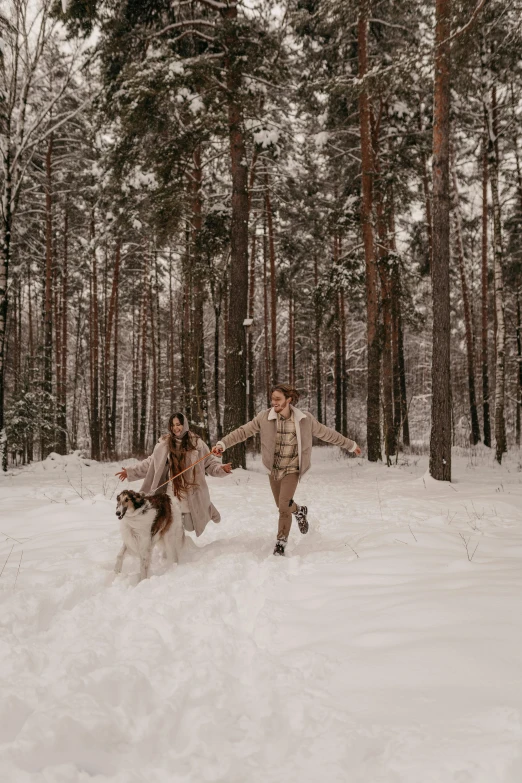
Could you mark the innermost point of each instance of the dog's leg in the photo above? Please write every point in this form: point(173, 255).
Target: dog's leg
point(119, 560)
point(145, 562)
point(177, 540)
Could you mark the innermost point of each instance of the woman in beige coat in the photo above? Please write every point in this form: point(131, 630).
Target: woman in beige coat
point(176, 451)
point(286, 450)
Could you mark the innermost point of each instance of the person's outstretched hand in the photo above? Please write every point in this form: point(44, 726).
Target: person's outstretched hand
point(227, 468)
point(122, 475)
point(357, 452)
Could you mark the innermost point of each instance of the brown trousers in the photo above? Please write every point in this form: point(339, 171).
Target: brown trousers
point(283, 492)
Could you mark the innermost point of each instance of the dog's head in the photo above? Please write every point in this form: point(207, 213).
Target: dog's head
point(128, 500)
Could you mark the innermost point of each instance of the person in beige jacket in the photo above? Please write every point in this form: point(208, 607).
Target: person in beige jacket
point(286, 450)
point(177, 450)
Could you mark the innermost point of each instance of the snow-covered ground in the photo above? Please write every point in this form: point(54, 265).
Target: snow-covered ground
point(385, 648)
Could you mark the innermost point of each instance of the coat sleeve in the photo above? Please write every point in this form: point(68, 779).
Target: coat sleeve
point(139, 471)
point(329, 435)
point(242, 433)
point(213, 465)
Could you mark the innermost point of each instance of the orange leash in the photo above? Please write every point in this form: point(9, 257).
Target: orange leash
point(182, 471)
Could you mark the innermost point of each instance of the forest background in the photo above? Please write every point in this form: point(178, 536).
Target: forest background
point(202, 198)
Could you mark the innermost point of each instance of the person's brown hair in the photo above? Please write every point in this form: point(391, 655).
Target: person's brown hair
point(177, 462)
point(288, 391)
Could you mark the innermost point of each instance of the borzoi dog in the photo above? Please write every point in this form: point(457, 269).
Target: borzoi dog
point(146, 520)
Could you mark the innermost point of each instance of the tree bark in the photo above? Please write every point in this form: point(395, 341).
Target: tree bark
point(500, 336)
point(144, 357)
point(62, 401)
point(468, 321)
point(440, 441)
point(273, 293)
point(94, 352)
point(485, 296)
point(236, 355)
point(111, 317)
point(373, 435)
point(48, 300)
point(198, 390)
point(317, 343)
point(265, 310)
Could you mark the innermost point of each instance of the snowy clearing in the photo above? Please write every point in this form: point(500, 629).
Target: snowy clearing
point(385, 648)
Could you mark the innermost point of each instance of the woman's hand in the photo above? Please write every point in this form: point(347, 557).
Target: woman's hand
point(122, 475)
point(357, 452)
point(227, 468)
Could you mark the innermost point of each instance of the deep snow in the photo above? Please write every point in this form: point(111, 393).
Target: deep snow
point(375, 652)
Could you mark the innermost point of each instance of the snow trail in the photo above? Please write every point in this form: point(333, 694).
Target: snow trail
point(377, 651)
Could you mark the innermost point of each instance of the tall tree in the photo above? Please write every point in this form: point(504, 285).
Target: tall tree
point(440, 440)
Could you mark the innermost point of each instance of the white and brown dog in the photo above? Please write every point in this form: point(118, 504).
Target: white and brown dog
point(146, 520)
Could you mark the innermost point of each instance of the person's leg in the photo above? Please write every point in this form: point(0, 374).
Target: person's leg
point(287, 505)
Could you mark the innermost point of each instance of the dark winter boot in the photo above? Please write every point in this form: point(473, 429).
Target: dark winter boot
point(279, 548)
point(302, 521)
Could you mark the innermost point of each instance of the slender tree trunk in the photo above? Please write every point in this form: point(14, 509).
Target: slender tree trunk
point(250, 338)
point(94, 353)
point(48, 307)
point(440, 442)
point(484, 297)
point(115, 376)
point(4, 277)
point(144, 357)
point(519, 326)
point(171, 339)
point(468, 322)
point(291, 339)
point(273, 294)
point(265, 310)
point(236, 354)
point(344, 372)
point(427, 200)
point(62, 401)
point(198, 390)
point(154, 352)
point(500, 338)
point(317, 341)
point(217, 349)
point(111, 317)
point(373, 435)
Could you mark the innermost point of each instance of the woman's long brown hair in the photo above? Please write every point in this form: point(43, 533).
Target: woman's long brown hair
point(177, 462)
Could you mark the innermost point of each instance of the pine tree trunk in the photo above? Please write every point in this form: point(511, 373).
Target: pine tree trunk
point(440, 441)
point(250, 338)
point(48, 306)
point(154, 352)
point(62, 398)
point(265, 310)
point(484, 298)
point(344, 372)
point(273, 294)
point(317, 341)
point(235, 353)
point(427, 201)
point(111, 317)
point(519, 326)
point(171, 339)
point(94, 353)
point(500, 336)
point(373, 435)
point(4, 278)
point(468, 322)
point(144, 358)
point(115, 375)
point(199, 403)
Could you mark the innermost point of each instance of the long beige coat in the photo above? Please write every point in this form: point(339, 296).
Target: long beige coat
point(154, 471)
point(306, 428)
